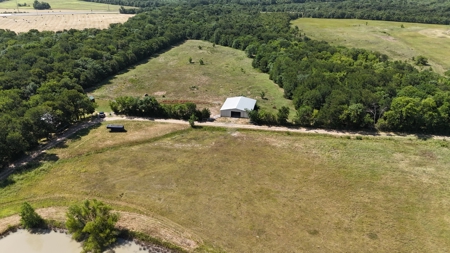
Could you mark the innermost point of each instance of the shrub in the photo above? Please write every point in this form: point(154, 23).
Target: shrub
point(192, 120)
point(41, 5)
point(206, 113)
point(94, 224)
point(28, 217)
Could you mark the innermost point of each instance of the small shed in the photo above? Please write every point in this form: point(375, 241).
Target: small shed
point(236, 107)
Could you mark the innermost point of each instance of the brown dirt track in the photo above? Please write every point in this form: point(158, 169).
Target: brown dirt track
point(59, 22)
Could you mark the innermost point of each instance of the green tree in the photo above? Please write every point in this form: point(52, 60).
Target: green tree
point(262, 95)
point(28, 217)
point(201, 62)
point(282, 115)
point(192, 120)
point(41, 5)
point(404, 114)
point(206, 113)
point(304, 116)
point(355, 116)
point(94, 224)
point(421, 61)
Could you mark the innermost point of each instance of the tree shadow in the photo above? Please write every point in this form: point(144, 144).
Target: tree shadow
point(424, 137)
point(7, 182)
point(30, 166)
point(118, 131)
point(78, 135)
point(44, 157)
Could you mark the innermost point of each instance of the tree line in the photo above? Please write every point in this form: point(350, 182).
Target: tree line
point(337, 87)
point(41, 5)
point(150, 107)
point(43, 74)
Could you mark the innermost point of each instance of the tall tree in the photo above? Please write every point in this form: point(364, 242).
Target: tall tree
point(28, 217)
point(93, 223)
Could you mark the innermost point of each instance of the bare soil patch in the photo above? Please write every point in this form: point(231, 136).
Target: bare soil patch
point(387, 38)
point(60, 22)
point(435, 33)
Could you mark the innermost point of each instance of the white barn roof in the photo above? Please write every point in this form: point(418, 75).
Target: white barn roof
point(240, 103)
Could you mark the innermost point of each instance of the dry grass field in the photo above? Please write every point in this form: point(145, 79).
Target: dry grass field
point(170, 76)
point(250, 191)
point(431, 41)
point(59, 22)
point(10, 5)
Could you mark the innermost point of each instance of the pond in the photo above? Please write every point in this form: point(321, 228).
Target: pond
point(50, 241)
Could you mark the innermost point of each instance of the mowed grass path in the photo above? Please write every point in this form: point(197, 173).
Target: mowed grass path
point(169, 76)
point(250, 191)
point(431, 41)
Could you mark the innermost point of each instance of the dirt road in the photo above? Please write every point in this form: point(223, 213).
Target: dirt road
point(232, 124)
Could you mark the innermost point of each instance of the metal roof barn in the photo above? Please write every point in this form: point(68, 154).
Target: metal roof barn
point(236, 107)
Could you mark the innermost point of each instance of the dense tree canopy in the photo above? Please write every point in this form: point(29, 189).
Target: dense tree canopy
point(41, 5)
point(419, 11)
point(43, 74)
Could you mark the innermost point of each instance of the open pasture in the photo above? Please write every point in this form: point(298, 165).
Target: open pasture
point(169, 76)
point(250, 191)
point(59, 22)
point(431, 41)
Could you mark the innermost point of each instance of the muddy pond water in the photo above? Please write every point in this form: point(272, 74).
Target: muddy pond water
point(23, 241)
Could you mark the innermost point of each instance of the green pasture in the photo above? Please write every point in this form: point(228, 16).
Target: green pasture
point(11, 6)
point(251, 191)
point(431, 41)
point(169, 76)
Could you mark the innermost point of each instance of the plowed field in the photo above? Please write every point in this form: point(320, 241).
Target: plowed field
point(59, 22)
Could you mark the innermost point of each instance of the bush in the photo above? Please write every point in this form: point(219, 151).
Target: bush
point(41, 5)
point(192, 120)
point(29, 218)
point(94, 224)
point(206, 113)
point(421, 61)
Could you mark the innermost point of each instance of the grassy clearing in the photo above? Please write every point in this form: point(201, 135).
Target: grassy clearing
point(249, 191)
point(431, 41)
point(59, 5)
point(170, 76)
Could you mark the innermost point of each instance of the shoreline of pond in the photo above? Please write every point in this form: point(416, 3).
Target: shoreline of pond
point(145, 242)
point(35, 241)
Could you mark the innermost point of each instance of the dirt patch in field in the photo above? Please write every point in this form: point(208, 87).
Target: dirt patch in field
point(159, 93)
point(59, 22)
point(132, 221)
point(435, 33)
point(387, 38)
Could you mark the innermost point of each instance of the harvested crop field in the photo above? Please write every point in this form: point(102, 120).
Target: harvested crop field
point(59, 22)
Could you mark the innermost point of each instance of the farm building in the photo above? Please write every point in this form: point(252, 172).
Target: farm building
point(235, 107)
